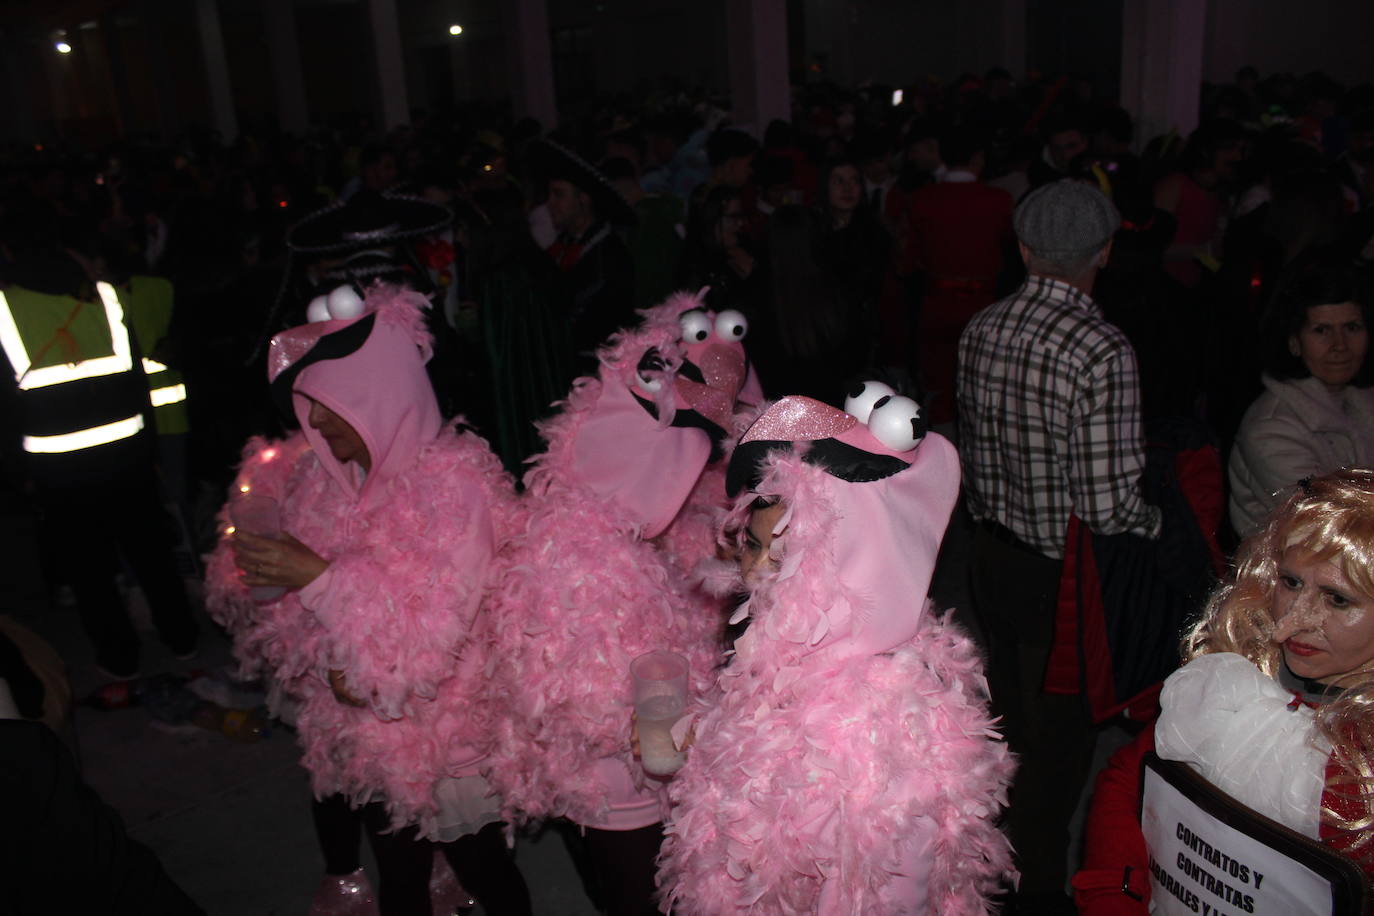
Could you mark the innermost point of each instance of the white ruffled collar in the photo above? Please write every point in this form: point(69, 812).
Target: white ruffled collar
point(1246, 735)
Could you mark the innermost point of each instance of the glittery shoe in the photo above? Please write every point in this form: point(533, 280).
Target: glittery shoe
point(445, 893)
point(344, 895)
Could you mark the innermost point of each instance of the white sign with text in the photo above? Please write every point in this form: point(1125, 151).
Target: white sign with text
point(1200, 865)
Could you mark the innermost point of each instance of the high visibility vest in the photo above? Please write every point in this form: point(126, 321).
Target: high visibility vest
point(75, 365)
point(149, 302)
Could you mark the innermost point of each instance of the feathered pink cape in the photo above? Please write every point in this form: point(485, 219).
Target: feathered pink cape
point(582, 594)
point(827, 782)
point(395, 612)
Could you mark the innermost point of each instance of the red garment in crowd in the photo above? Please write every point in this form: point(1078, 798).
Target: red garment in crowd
point(1197, 217)
point(958, 233)
point(1115, 859)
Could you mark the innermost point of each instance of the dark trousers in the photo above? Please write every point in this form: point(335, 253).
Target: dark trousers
point(89, 526)
point(621, 864)
point(1014, 589)
point(63, 850)
point(481, 861)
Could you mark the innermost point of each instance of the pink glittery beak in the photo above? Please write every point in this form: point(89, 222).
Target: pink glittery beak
point(799, 419)
point(293, 343)
point(723, 368)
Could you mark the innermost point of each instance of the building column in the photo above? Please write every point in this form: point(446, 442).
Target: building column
point(222, 114)
point(759, 88)
point(118, 75)
point(279, 16)
point(20, 87)
point(1162, 46)
point(529, 59)
point(391, 68)
point(151, 17)
point(1014, 39)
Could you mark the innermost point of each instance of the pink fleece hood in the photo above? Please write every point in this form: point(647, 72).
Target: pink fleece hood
point(366, 362)
point(640, 434)
point(867, 502)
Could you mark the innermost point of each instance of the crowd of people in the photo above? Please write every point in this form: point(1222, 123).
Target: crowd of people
point(521, 408)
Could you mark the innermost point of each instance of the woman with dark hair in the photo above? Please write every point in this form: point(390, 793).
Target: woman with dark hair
point(809, 340)
point(853, 242)
point(1317, 412)
point(716, 253)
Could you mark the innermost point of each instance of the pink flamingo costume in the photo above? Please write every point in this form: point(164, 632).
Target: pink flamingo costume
point(617, 510)
point(410, 547)
point(845, 761)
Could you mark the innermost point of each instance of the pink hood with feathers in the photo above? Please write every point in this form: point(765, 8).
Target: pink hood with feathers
point(846, 761)
point(381, 389)
point(647, 466)
point(881, 536)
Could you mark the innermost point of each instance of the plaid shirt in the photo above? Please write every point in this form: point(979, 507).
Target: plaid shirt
point(1049, 418)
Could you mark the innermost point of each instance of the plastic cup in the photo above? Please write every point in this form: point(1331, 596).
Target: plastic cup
point(660, 690)
point(258, 515)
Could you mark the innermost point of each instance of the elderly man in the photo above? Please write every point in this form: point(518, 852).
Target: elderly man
point(1050, 426)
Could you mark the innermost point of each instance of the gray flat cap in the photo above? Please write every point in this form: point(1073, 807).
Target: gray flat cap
point(1064, 218)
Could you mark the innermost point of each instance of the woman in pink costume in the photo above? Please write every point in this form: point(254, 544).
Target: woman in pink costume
point(845, 761)
point(598, 577)
point(389, 521)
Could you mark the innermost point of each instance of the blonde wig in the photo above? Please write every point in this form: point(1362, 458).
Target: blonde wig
point(1333, 516)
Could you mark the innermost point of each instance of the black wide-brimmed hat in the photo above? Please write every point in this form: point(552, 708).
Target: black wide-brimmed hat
point(554, 160)
point(366, 219)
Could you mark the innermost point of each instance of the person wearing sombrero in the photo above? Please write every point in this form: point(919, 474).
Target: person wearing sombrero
point(371, 236)
point(595, 265)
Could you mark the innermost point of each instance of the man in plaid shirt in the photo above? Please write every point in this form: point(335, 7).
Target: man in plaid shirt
point(1049, 425)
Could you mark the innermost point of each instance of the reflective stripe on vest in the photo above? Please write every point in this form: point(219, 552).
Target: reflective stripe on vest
point(163, 395)
point(84, 438)
point(29, 378)
point(121, 360)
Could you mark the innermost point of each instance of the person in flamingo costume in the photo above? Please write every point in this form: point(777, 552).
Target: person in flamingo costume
point(844, 761)
point(363, 608)
point(621, 506)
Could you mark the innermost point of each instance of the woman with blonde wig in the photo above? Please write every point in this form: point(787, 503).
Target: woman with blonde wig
point(1275, 702)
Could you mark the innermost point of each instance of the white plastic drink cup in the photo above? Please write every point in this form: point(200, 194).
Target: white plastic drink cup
point(660, 689)
point(258, 515)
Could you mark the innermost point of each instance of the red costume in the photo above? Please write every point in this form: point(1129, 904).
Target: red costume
point(958, 231)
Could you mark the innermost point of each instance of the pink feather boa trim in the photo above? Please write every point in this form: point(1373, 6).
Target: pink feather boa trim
point(815, 776)
point(580, 596)
point(811, 765)
point(395, 612)
point(578, 599)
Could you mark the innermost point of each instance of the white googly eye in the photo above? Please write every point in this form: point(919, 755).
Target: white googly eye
point(898, 422)
point(317, 310)
point(731, 325)
point(648, 384)
point(696, 325)
point(863, 396)
point(345, 303)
